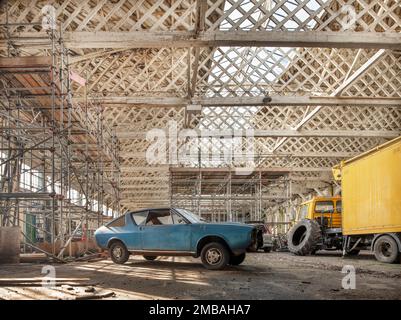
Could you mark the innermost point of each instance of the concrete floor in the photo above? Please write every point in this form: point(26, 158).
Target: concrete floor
point(261, 276)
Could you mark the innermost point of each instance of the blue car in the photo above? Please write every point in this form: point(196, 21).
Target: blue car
point(175, 232)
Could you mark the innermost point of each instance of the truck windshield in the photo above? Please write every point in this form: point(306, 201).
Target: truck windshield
point(324, 207)
point(190, 216)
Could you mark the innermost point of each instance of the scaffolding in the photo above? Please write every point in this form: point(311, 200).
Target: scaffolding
point(226, 195)
point(59, 160)
point(309, 107)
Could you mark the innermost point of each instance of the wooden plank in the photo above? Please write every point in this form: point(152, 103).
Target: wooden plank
point(258, 133)
point(184, 39)
point(250, 101)
point(25, 62)
point(322, 39)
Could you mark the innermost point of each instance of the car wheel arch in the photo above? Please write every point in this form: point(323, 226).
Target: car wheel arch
point(113, 240)
point(211, 238)
point(395, 236)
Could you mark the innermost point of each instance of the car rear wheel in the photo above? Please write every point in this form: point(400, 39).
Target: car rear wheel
point(386, 250)
point(214, 256)
point(150, 258)
point(118, 252)
point(237, 260)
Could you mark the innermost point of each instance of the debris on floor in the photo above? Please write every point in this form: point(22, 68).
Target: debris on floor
point(275, 275)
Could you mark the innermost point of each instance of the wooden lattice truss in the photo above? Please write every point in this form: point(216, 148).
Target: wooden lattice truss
point(331, 68)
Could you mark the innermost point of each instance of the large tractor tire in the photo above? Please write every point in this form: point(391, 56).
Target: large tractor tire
point(304, 237)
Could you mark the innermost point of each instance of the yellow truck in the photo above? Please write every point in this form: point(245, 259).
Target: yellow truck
point(371, 200)
point(368, 213)
point(318, 227)
point(326, 209)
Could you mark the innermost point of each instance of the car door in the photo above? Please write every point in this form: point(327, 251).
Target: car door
point(134, 238)
point(165, 230)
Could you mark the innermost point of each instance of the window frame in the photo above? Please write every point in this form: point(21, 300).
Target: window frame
point(324, 201)
point(181, 216)
point(158, 225)
point(109, 225)
point(136, 212)
point(341, 206)
point(304, 207)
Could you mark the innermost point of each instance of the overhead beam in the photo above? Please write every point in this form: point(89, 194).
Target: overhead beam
point(272, 170)
point(206, 197)
point(276, 100)
point(141, 155)
point(159, 169)
point(128, 134)
point(184, 39)
point(166, 168)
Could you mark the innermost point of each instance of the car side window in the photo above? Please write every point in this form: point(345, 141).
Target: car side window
point(177, 219)
point(139, 217)
point(119, 222)
point(159, 217)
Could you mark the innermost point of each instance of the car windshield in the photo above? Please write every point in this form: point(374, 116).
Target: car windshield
point(190, 216)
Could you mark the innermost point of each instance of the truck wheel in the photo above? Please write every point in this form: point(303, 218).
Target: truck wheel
point(150, 258)
point(214, 256)
point(304, 237)
point(118, 252)
point(237, 260)
point(386, 250)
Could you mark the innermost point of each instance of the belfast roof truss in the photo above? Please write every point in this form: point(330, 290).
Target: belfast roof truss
point(315, 82)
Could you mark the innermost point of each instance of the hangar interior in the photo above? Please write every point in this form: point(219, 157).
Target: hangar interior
point(256, 101)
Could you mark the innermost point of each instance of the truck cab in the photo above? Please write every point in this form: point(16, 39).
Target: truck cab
point(326, 210)
point(318, 226)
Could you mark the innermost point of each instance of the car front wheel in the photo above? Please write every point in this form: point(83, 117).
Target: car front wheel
point(118, 252)
point(214, 256)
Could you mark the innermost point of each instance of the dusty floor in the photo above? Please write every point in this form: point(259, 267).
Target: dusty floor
point(261, 276)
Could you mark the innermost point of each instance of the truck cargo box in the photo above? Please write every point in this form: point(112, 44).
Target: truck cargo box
point(371, 190)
